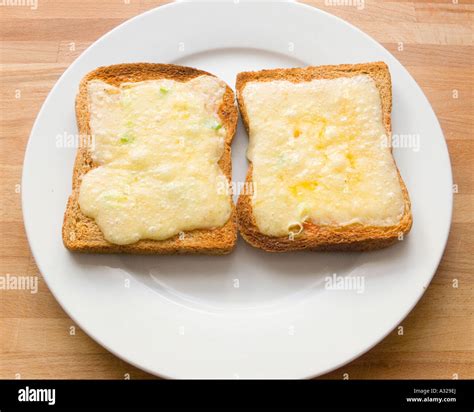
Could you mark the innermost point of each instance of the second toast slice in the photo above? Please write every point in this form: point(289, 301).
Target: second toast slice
point(321, 172)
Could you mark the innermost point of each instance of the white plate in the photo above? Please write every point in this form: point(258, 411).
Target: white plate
point(182, 316)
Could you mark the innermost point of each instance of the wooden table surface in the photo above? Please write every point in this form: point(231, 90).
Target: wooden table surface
point(433, 39)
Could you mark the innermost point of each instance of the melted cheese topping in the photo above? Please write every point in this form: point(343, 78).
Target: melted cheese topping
point(157, 143)
point(319, 154)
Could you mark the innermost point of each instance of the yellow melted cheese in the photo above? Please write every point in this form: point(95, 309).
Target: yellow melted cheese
point(319, 154)
point(157, 144)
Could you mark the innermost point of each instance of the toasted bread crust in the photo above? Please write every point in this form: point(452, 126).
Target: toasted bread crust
point(318, 237)
point(81, 234)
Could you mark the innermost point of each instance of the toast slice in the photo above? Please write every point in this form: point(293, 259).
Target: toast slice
point(81, 233)
point(326, 233)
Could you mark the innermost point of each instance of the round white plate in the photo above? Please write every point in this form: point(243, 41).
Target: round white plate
point(249, 314)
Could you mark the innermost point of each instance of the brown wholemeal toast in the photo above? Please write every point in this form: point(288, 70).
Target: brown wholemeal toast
point(352, 237)
point(81, 233)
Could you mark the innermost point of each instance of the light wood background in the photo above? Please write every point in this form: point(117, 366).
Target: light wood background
point(38, 45)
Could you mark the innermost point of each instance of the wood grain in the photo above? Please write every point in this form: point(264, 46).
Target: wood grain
point(38, 45)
